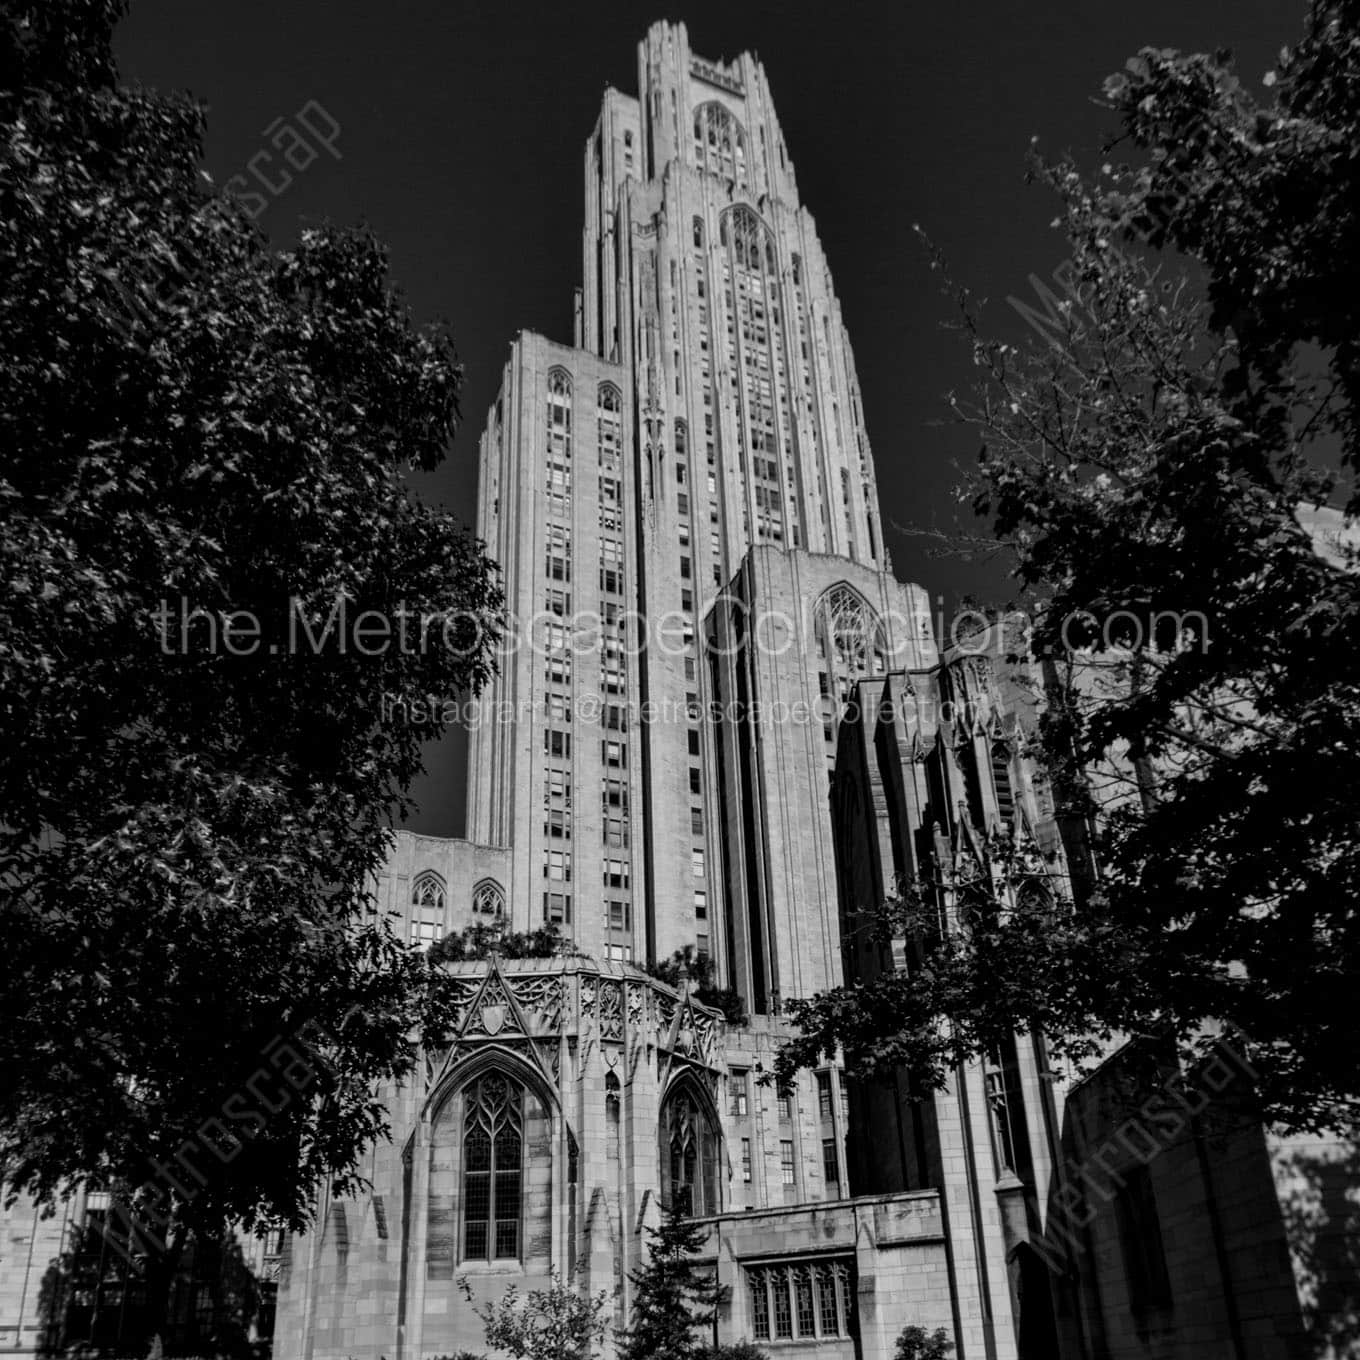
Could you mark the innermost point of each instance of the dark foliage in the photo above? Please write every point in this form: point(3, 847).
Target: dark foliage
point(194, 974)
point(915, 1343)
point(1146, 459)
point(481, 941)
point(703, 982)
point(673, 1297)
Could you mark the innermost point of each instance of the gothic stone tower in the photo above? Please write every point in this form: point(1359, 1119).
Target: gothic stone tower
point(709, 407)
point(684, 508)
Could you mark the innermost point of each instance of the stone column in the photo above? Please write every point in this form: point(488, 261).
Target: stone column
point(417, 1267)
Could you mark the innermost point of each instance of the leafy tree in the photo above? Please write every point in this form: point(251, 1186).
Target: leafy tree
point(557, 1323)
point(673, 1296)
point(703, 976)
point(198, 992)
point(915, 1343)
point(1147, 460)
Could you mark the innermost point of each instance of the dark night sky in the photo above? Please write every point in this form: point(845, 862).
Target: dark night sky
point(462, 128)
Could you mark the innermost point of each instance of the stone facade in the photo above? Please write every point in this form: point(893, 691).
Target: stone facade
point(708, 406)
point(695, 459)
point(1138, 1214)
point(720, 723)
point(603, 1057)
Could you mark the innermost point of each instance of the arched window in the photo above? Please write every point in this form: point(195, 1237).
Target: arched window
point(698, 233)
point(720, 142)
point(1034, 897)
point(488, 899)
point(850, 631)
point(851, 644)
point(689, 1155)
point(559, 402)
point(750, 239)
point(493, 1162)
point(427, 909)
point(609, 441)
point(559, 470)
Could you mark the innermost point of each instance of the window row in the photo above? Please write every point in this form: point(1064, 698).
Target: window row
point(613, 753)
point(428, 901)
point(811, 1299)
point(607, 398)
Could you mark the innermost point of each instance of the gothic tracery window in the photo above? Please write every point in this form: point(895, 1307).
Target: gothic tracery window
point(689, 1155)
point(559, 469)
point(493, 1159)
point(750, 239)
point(751, 292)
point(559, 412)
point(427, 909)
point(488, 899)
point(851, 643)
point(720, 143)
point(805, 1301)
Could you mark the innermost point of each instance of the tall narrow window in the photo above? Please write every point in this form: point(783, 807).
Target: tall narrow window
point(689, 1152)
point(720, 143)
point(824, 1094)
point(608, 425)
point(559, 403)
point(736, 1084)
point(831, 1168)
point(802, 1294)
point(427, 909)
point(1140, 1234)
point(783, 1313)
point(760, 1303)
point(493, 1156)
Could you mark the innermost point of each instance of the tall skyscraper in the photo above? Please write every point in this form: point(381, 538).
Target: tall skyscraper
point(719, 722)
point(683, 505)
point(658, 793)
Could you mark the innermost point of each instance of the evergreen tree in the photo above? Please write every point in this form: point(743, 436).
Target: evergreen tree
point(674, 1297)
